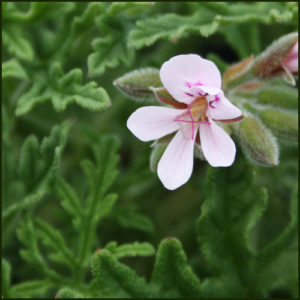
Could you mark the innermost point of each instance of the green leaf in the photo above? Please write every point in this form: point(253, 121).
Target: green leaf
point(28, 289)
point(128, 217)
point(134, 249)
point(6, 278)
point(16, 42)
point(105, 207)
point(97, 204)
point(69, 201)
point(171, 272)
point(120, 7)
point(257, 142)
point(169, 26)
point(117, 280)
point(38, 11)
point(227, 215)
point(136, 84)
point(32, 253)
point(156, 155)
point(69, 293)
point(63, 90)
point(55, 241)
point(110, 49)
point(13, 68)
point(38, 166)
point(41, 11)
point(275, 263)
point(208, 19)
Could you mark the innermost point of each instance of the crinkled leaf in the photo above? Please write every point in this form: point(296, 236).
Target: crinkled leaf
point(128, 217)
point(133, 249)
point(227, 215)
point(69, 293)
point(6, 278)
point(63, 90)
point(29, 289)
point(16, 42)
point(117, 280)
point(204, 22)
point(171, 272)
point(38, 166)
point(13, 68)
point(111, 49)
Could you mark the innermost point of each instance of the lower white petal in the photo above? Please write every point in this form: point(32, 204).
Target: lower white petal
point(176, 165)
point(217, 146)
point(153, 122)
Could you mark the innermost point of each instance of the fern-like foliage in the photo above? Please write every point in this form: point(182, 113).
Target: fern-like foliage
point(35, 174)
point(227, 218)
point(45, 248)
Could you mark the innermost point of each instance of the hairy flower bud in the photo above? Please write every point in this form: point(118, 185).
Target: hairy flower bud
point(279, 55)
point(135, 84)
point(257, 142)
point(283, 123)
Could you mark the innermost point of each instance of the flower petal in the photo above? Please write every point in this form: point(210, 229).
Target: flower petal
point(222, 109)
point(176, 165)
point(217, 146)
point(180, 70)
point(153, 122)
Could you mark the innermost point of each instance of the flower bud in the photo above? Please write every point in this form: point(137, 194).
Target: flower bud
point(290, 61)
point(283, 123)
point(257, 142)
point(156, 155)
point(135, 84)
point(278, 96)
point(279, 55)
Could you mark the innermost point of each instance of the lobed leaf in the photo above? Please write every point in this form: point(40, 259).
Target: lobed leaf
point(66, 293)
point(117, 280)
point(16, 42)
point(13, 68)
point(6, 278)
point(227, 215)
point(38, 166)
point(208, 19)
point(128, 250)
point(128, 217)
point(110, 49)
point(63, 90)
point(33, 288)
point(171, 272)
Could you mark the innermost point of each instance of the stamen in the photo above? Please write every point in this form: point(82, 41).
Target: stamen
point(190, 114)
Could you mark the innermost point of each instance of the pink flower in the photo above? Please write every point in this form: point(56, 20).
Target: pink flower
point(195, 82)
point(290, 62)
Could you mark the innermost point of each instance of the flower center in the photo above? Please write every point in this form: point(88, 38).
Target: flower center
point(196, 114)
point(198, 109)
